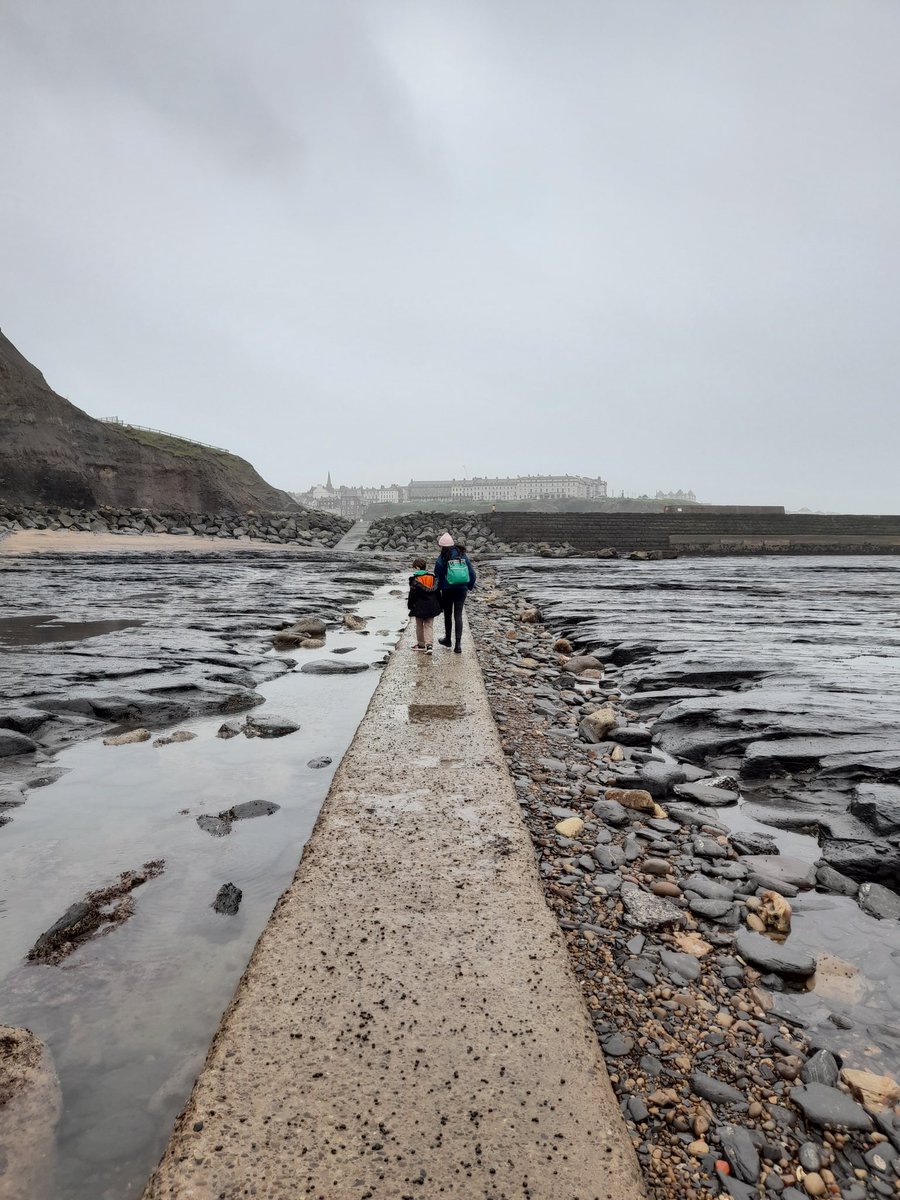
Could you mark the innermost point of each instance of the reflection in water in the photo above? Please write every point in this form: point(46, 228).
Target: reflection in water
point(129, 1017)
point(36, 630)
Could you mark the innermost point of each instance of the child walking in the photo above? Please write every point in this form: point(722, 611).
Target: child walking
point(424, 603)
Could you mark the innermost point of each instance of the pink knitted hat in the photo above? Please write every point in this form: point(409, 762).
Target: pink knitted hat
point(445, 540)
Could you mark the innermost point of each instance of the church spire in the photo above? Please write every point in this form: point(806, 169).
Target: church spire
point(328, 483)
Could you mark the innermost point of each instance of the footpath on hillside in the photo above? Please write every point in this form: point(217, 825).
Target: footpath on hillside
point(409, 1024)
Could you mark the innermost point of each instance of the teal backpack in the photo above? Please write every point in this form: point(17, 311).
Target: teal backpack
point(457, 572)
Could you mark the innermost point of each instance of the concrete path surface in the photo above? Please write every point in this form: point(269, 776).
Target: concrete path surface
point(409, 1024)
point(354, 535)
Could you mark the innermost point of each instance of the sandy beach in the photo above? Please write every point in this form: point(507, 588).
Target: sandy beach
point(63, 541)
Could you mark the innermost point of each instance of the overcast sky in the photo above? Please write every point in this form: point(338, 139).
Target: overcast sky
point(654, 241)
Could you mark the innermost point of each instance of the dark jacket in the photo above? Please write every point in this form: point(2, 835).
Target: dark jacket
point(424, 599)
point(440, 570)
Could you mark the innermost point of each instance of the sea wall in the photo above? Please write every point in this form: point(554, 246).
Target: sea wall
point(710, 531)
point(300, 526)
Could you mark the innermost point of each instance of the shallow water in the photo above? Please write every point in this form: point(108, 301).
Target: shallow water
point(129, 1016)
point(815, 648)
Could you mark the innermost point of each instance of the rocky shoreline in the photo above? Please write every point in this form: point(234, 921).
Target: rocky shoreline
point(304, 527)
point(677, 931)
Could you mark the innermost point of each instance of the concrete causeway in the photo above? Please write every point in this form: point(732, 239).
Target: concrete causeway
point(409, 1024)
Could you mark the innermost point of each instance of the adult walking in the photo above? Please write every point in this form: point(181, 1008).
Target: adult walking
point(456, 578)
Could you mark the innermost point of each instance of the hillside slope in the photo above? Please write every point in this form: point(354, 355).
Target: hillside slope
point(53, 453)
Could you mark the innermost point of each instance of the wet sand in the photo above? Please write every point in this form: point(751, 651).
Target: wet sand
point(67, 541)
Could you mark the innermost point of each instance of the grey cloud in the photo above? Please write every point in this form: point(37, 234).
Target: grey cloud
point(388, 239)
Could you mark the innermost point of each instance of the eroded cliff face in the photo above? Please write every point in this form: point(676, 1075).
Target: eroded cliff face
point(53, 453)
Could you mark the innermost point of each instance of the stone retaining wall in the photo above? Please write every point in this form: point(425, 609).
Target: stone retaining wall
point(303, 526)
point(694, 532)
point(703, 532)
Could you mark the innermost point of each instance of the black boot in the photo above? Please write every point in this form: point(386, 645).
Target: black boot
point(457, 649)
point(444, 641)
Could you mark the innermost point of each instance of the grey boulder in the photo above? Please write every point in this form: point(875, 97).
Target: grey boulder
point(879, 901)
point(269, 726)
point(334, 666)
point(706, 794)
point(780, 957)
point(827, 1106)
point(777, 870)
point(878, 804)
point(12, 743)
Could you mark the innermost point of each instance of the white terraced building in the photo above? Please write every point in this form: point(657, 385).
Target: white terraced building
point(351, 501)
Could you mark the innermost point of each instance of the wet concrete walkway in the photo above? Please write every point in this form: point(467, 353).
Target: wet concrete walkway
point(409, 1025)
point(354, 535)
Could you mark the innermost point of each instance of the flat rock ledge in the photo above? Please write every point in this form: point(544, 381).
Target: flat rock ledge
point(409, 1022)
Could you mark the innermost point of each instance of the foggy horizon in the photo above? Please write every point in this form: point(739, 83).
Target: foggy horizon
point(656, 244)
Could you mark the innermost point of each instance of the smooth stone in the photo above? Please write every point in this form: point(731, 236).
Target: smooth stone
point(616, 1045)
point(334, 666)
point(714, 1090)
point(879, 901)
point(12, 743)
point(664, 887)
point(782, 958)
point(833, 881)
point(269, 726)
point(571, 827)
point(810, 1156)
point(778, 869)
point(250, 808)
point(707, 888)
point(609, 857)
point(656, 866)
point(230, 729)
point(740, 1151)
point(723, 912)
point(322, 761)
point(877, 804)
point(684, 966)
point(827, 1106)
point(706, 794)
point(610, 812)
point(822, 1068)
point(707, 847)
point(608, 883)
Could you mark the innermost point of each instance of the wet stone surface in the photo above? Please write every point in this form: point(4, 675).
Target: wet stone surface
point(726, 1038)
point(88, 646)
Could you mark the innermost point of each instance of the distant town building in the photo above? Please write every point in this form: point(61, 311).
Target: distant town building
point(351, 501)
point(684, 497)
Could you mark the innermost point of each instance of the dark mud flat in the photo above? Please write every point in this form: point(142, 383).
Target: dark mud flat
point(128, 1015)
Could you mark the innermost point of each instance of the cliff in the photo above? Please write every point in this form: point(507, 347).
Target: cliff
point(52, 453)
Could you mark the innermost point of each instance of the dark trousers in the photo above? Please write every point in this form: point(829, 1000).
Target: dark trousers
point(452, 601)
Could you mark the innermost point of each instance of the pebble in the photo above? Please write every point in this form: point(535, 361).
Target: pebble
point(656, 866)
point(662, 887)
point(814, 1184)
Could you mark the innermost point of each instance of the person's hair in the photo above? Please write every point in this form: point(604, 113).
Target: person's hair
point(419, 564)
point(461, 547)
point(446, 551)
